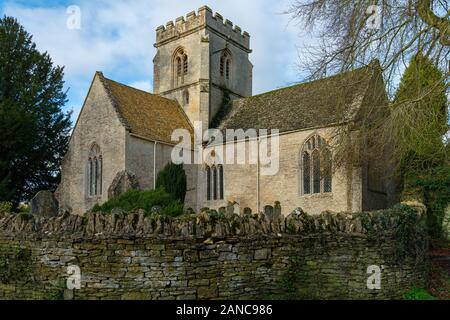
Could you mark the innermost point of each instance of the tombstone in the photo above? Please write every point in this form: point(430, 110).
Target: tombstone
point(237, 209)
point(268, 212)
point(204, 210)
point(44, 204)
point(230, 209)
point(123, 182)
point(277, 210)
point(247, 212)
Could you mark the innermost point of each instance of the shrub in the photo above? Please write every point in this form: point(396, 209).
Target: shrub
point(5, 207)
point(434, 184)
point(23, 208)
point(143, 199)
point(418, 294)
point(173, 180)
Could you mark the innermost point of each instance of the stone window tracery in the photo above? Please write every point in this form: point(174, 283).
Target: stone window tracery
point(95, 171)
point(316, 167)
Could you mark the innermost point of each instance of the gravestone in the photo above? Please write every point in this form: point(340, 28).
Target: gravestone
point(268, 211)
point(44, 204)
point(229, 211)
point(123, 182)
point(277, 210)
point(236, 209)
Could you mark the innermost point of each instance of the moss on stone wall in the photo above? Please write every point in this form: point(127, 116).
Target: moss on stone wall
point(208, 257)
point(15, 264)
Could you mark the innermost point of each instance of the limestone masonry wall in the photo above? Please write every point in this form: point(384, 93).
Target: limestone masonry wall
point(211, 256)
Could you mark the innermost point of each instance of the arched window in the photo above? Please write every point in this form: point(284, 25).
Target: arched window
point(220, 168)
point(208, 183)
point(316, 171)
point(225, 65)
point(316, 167)
point(214, 183)
point(214, 172)
point(185, 64)
point(306, 173)
point(180, 66)
point(327, 170)
point(95, 171)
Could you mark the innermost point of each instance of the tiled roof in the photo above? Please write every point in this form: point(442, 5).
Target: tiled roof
point(318, 103)
point(144, 114)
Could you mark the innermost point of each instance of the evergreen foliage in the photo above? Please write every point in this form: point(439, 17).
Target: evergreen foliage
point(34, 131)
point(173, 180)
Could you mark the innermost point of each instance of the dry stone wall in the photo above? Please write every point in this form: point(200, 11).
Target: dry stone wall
point(211, 256)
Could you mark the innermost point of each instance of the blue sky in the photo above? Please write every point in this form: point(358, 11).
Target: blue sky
point(117, 37)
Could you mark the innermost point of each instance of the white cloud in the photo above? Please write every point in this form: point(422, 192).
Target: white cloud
point(117, 38)
point(142, 85)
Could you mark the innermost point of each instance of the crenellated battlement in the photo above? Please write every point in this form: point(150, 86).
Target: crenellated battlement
point(203, 18)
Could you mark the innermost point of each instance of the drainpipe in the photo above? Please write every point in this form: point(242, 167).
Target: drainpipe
point(154, 165)
point(258, 195)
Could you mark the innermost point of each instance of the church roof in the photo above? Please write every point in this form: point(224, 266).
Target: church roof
point(144, 114)
point(319, 103)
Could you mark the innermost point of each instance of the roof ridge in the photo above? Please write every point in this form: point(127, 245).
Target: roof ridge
point(305, 83)
point(130, 87)
point(330, 100)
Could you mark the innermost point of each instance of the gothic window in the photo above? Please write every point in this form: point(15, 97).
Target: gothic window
point(208, 183)
point(95, 171)
point(316, 166)
point(214, 183)
point(180, 66)
point(178, 63)
point(222, 66)
point(316, 171)
point(220, 168)
point(225, 65)
point(306, 173)
point(327, 171)
point(214, 171)
point(185, 64)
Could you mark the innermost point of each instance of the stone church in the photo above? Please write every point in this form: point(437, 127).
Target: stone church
point(202, 74)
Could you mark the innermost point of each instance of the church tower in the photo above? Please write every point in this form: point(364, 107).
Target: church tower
point(202, 61)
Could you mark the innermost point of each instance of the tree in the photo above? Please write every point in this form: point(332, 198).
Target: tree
point(418, 121)
point(419, 112)
point(34, 131)
point(352, 33)
point(173, 180)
